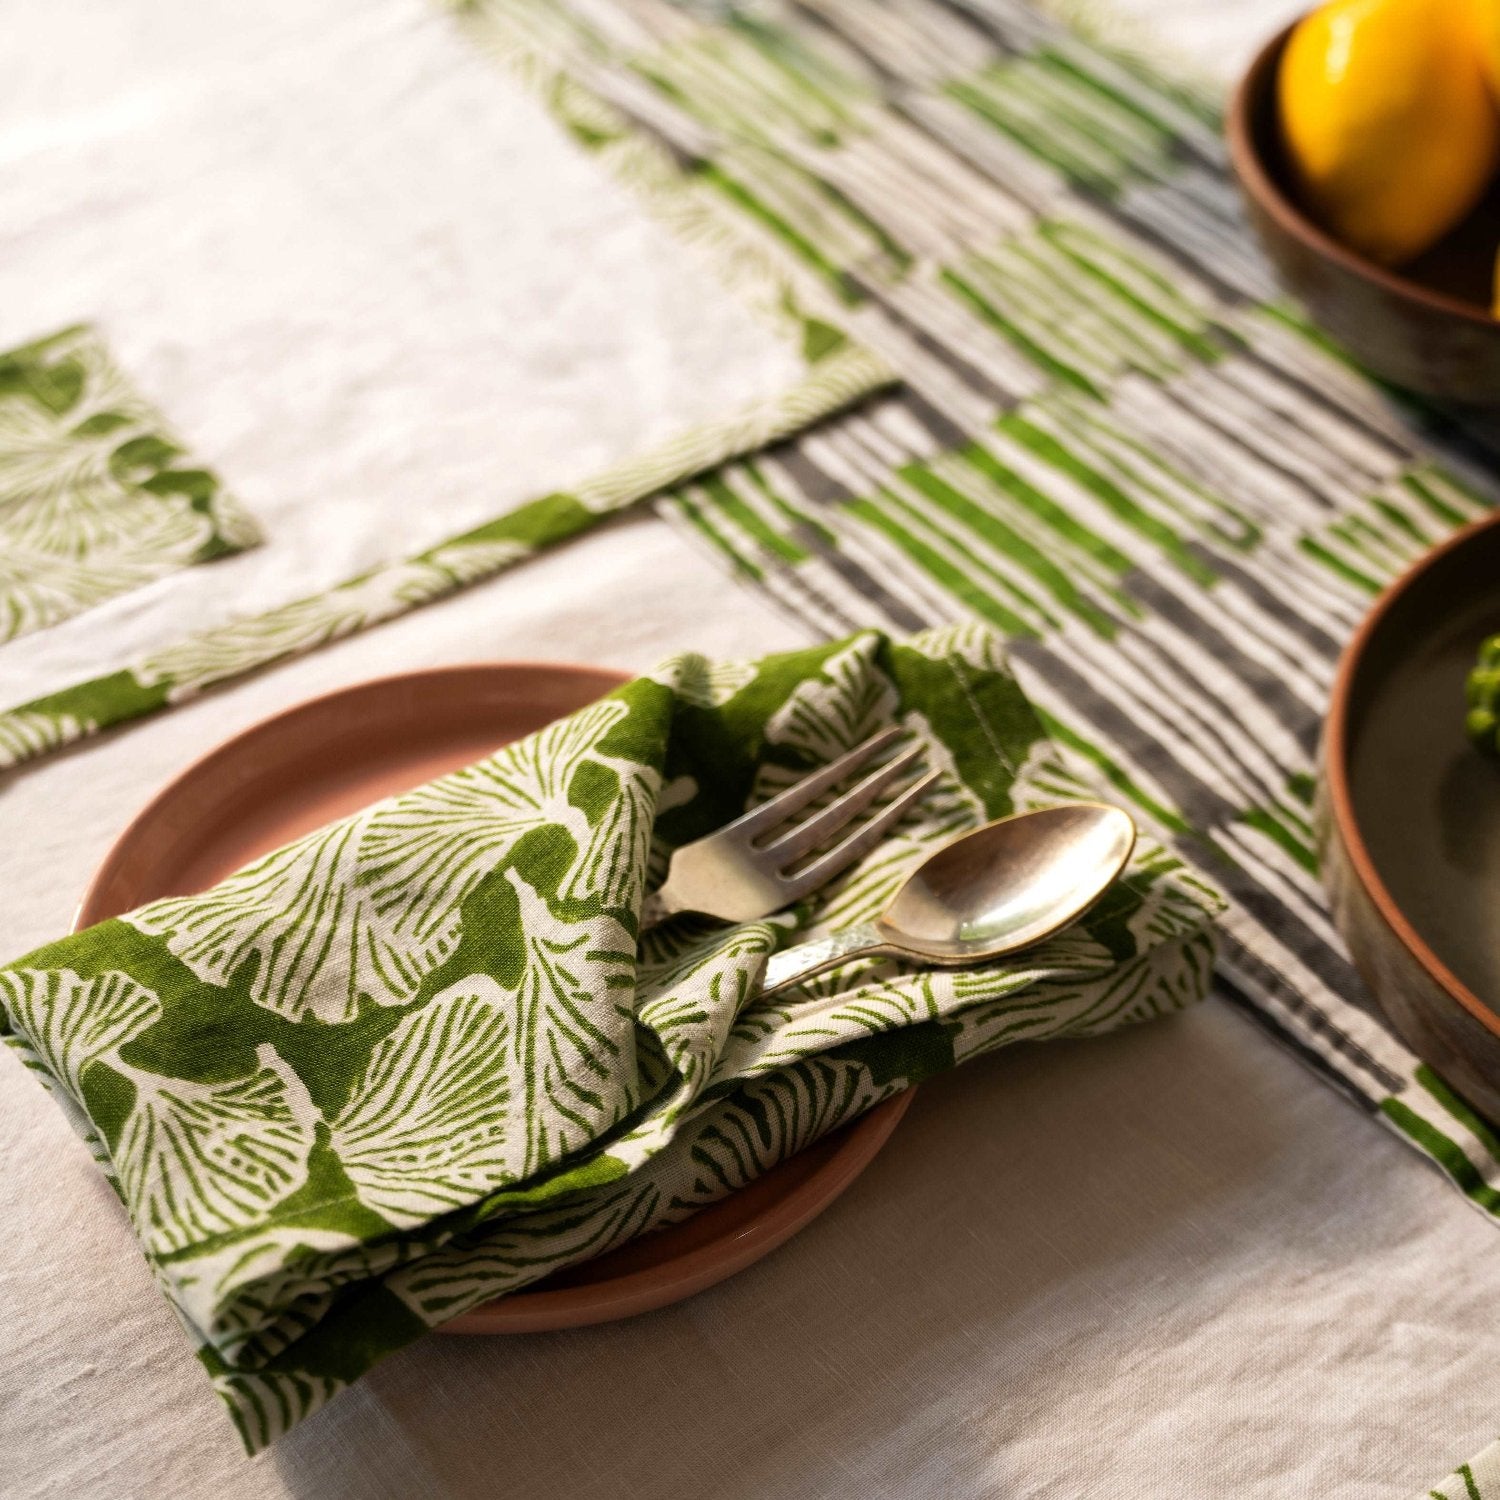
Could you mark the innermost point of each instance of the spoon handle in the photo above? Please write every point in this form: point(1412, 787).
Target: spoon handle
point(793, 965)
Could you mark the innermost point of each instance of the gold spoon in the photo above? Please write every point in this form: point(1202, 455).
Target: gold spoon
point(986, 895)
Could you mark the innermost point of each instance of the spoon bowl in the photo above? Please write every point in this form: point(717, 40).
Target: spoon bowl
point(1009, 884)
point(985, 895)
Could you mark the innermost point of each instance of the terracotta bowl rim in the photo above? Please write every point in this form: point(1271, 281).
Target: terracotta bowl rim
point(1268, 194)
point(1339, 793)
point(273, 723)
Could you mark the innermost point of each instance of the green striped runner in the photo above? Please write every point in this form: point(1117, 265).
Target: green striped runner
point(1115, 442)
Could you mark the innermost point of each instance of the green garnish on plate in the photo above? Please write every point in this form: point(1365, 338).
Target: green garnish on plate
point(1482, 721)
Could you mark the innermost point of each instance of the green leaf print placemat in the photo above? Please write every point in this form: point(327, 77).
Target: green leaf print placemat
point(423, 1056)
point(835, 373)
point(96, 498)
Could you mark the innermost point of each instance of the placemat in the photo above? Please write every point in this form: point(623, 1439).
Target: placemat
point(237, 633)
point(96, 496)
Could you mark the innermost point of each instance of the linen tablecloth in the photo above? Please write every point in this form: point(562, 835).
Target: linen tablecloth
point(1245, 1290)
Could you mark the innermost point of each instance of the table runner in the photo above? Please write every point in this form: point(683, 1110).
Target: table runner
point(1115, 443)
point(95, 496)
point(419, 1058)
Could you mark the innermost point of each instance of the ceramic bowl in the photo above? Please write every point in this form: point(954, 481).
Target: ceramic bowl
point(1409, 814)
point(1426, 327)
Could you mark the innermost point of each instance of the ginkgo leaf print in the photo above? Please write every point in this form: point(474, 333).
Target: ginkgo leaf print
point(25, 733)
point(40, 587)
point(443, 838)
point(91, 516)
point(93, 500)
point(49, 447)
point(572, 1046)
point(201, 1159)
point(313, 925)
point(37, 590)
point(467, 562)
point(424, 852)
point(966, 641)
point(483, 1086)
point(612, 864)
point(765, 1121)
point(267, 1403)
point(704, 683)
point(223, 651)
point(690, 997)
point(845, 703)
point(680, 791)
point(431, 1127)
point(68, 1022)
point(524, 1248)
point(1052, 773)
point(367, 908)
point(540, 769)
point(255, 1294)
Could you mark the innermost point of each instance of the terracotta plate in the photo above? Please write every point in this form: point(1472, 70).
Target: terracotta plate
point(330, 756)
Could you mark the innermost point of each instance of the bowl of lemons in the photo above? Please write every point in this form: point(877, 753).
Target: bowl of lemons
point(1366, 138)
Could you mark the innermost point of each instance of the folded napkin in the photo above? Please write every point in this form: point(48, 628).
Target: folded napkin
point(422, 1057)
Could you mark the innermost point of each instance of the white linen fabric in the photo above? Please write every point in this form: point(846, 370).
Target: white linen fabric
point(1169, 1262)
point(356, 268)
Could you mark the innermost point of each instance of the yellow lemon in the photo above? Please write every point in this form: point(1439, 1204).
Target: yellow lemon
point(1389, 121)
point(1486, 19)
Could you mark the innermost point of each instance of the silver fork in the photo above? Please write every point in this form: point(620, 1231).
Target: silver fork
point(761, 862)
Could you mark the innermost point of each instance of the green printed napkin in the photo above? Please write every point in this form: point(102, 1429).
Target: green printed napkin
point(95, 498)
point(424, 1056)
point(1479, 1479)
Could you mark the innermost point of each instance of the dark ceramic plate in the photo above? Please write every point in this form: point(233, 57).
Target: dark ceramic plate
point(1411, 815)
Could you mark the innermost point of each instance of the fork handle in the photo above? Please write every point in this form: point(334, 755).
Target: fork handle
point(793, 965)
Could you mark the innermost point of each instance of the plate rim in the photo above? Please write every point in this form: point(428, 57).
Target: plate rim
point(200, 764)
point(1338, 782)
point(633, 1292)
point(708, 1264)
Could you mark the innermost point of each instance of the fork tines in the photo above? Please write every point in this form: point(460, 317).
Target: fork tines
point(784, 844)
